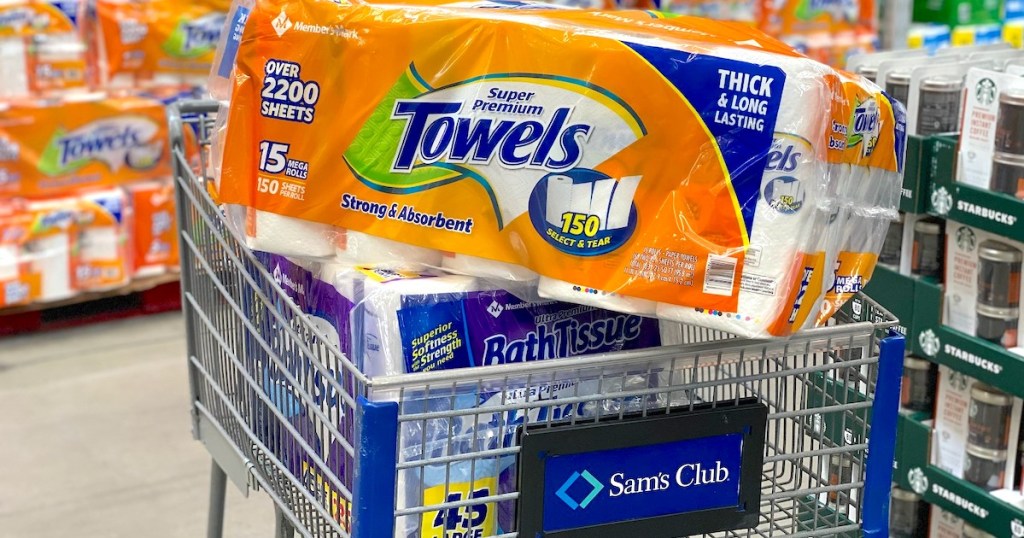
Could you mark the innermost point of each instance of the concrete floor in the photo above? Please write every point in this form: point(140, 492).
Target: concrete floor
point(95, 438)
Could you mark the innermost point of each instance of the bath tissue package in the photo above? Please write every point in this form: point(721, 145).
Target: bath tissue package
point(393, 321)
point(674, 168)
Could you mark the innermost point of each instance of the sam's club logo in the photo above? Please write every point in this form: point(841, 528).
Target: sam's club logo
point(595, 486)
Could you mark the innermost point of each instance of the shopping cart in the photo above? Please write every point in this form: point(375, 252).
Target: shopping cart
point(281, 409)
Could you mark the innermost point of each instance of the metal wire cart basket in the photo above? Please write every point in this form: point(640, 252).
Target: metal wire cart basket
point(777, 434)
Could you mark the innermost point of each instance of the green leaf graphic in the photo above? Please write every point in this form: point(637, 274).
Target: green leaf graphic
point(373, 151)
point(175, 43)
point(49, 160)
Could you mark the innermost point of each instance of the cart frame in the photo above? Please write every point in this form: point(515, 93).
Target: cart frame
point(241, 326)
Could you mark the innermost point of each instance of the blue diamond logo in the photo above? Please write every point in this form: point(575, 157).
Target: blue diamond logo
point(595, 487)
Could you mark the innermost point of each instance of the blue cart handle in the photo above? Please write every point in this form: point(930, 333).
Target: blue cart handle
point(882, 442)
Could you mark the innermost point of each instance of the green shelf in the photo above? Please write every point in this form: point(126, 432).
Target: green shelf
point(963, 499)
point(917, 302)
point(916, 172)
point(988, 362)
point(993, 212)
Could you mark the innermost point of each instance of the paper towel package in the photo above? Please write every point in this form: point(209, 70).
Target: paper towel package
point(678, 162)
point(154, 241)
point(19, 283)
point(48, 247)
point(101, 261)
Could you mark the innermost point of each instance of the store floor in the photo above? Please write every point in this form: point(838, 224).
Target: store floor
point(95, 438)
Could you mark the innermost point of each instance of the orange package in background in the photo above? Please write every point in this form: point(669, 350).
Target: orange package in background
point(140, 42)
point(788, 17)
point(101, 255)
point(154, 243)
point(51, 148)
point(40, 49)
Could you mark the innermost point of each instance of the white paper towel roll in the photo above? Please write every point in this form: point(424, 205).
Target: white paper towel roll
point(559, 193)
point(357, 248)
point(622, 201)
point(550, 288)
point(382, 341)
point(50, 256)
point(288, 236)
point(465, 264)
point(8, 262)
point(13, 68)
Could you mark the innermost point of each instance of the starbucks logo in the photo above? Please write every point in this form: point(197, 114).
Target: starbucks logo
point(942, 201)
point(958, 381)
point(966, 239)
point(1017, 528)
point(929, 342)
point(918, 481)
point(974, 409)
point(985, 91)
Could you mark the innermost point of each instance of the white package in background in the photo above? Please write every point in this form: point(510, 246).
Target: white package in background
point(981, 117)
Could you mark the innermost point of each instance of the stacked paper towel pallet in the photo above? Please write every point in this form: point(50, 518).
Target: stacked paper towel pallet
point(86, 202)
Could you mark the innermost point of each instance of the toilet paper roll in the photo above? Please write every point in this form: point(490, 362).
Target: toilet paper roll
point(465, 264)
point(13, 68)
point(288, 236)
point(383, 349)
point(550, 288)
point(357, 248)
point(50, 256)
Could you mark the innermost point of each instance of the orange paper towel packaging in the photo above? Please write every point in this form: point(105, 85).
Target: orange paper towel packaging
point(619, 151)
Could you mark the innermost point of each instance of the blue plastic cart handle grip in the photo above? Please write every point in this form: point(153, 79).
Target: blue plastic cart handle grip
point(882, 442)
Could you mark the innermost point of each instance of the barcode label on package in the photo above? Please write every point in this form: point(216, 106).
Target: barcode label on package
point(759, 284)
point(720, 275)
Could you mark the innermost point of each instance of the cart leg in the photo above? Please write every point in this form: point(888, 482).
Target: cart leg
point(218, 487)
point(282, 527)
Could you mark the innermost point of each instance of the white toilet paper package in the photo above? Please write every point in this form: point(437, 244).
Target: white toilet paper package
point(398, 321)
point(643, 165)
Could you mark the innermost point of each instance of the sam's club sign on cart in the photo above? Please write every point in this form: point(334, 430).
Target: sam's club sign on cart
point(653, 483)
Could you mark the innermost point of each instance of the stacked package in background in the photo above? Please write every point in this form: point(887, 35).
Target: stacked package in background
point(87, 201)
point(825, 31)
point(85, 188)
point(41, 52)
point(153, 42)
